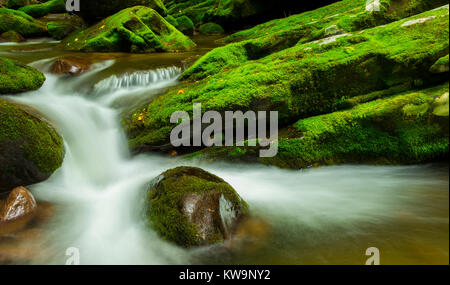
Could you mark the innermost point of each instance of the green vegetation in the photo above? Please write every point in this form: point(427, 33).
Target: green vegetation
point(30, 150)
point(40, 10)
point(305, 80)
point(14, 4)
point(11, 36)
point(61, 25)
point(185, 25)
point(16, 77)
point(93, 11)
point(12, 20)
point(137, 29)
point(211, 29)
point(405, 128)
point(166, 193)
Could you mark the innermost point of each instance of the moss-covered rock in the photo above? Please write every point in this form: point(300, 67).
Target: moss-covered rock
point(93, 11)
point(15, 4)
point(192, 207)
point(16, 77)
point(305, 80)
point(30, 150)
point(211, 29)
point(11, 36)
point(185, 25)
point(27, 26)
point(136, 29)
point(40, 10)
point(171, 20)
point(60, 26)
point(410, 127)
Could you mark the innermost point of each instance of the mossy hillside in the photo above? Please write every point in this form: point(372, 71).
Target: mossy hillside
point(163, 209)
point(16, 77)
point(211, 29)
point(27, 26)
point(136, 29)
point(405, 128)
point(305, 80)
point(345, 16)
point(40, 10)
point(41, 146)
point(93, 11)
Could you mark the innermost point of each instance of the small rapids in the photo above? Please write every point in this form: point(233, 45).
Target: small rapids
point(317, 216)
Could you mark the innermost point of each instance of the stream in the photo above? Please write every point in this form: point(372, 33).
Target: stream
point(329, 215)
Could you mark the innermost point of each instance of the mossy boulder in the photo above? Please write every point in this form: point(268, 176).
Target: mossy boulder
point(15, 4)
point(171, 20)
point(93, 11)
point(185, 25)
point(406, 128)
point(25, 25)
point(60, 26)
point(305, 80)
point(211, 29)
point(40, 10)
point(191, 207)
point(30, 149)
point(11, 36)
point(136, 29)
point(16, 77)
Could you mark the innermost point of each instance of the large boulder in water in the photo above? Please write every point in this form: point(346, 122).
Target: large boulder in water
point(61, 25)
point(137, 29)
point(70, 65)
point(30, 149)
point(192, 207)
point(16, 77)
point(97, 10)
point(27, 26)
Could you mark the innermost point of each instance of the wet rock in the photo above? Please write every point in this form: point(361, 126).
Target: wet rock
point(11, 36)
point(30, 149)
point(191, 207)
point(19, 204)
point(70, 65)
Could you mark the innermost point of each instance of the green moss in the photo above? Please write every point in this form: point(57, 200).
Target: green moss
point(12, 20)
point(61, 25)
point(185, 25)
point(11, 36)
point(40, 10)
point(403, 128)
point(211, 29)
point(306, 80)
point(137, 29)
point(163, 202)
point(14, 4)
point(171, 20)
point(16, 77)
point(40, 144)
point(441, 65)
point(93, 11)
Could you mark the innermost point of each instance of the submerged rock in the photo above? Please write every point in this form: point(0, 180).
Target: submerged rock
point(11, 36)
point(137, 29)
point(16, 77)
point(42, 9)
point(191, 207)
point(97, 10)
point(25, 25)
point(30, 149)
point(70, 65)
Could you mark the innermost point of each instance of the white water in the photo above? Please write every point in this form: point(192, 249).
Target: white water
point(100, 186)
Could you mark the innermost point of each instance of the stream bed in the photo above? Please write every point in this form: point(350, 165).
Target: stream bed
point(329, 215)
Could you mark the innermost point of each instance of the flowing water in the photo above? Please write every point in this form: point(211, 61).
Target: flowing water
point(316, 216)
